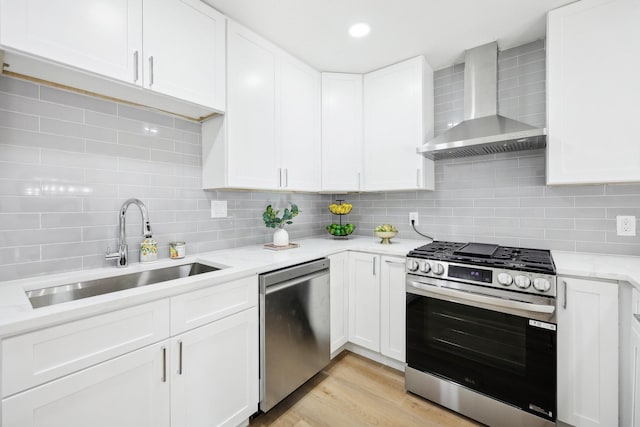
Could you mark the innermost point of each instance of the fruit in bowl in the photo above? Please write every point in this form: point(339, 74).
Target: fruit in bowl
point(386, 232)
point(340, 229)
point(342, 209)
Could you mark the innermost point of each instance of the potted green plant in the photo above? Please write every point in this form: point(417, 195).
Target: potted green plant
point(272, 220)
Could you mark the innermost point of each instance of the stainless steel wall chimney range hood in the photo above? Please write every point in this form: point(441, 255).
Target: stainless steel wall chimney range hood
point(483, 131)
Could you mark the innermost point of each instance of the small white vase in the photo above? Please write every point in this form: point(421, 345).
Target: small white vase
point(280, 237)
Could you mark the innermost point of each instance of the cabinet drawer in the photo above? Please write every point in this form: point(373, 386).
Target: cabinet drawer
point(197, 308)
point(46, 354)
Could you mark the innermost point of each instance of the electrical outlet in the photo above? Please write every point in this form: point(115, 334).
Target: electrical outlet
point(413, 216)
point(626, 225)
point(218, 209)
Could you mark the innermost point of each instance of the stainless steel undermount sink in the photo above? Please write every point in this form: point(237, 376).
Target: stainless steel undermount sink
point(73, 291)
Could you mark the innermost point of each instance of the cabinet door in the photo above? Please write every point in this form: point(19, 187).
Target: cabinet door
point(398, 116)
point(364, 300)
point(101, 36)
point(341, 132)
point(252, 157)
point(588, 353)
point(593, 108)
point(392, 307)
point(215, 372)
point(129, 391)
point(635, 363)
point(339, 296)
point(184, 50)
point(298, 130)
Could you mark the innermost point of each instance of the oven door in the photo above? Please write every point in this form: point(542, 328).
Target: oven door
point(503, 355)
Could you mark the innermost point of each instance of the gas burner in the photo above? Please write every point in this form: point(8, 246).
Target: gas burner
point(522, 259)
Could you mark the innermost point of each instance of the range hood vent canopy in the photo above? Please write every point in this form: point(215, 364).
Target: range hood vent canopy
point(483, 131)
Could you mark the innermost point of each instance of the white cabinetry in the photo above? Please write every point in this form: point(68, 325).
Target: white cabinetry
point(364, 300)
point(398, 117)
point(592, 105)
point(635, 360)
point(121, 368)
point(128, 391)
point(392, 307)
point(169, 47)
point(184, 51)
point(339, 296)
point(377, 303)
point(587, 352)
point(341, 132)
point(269, 138)
point(94, 35)
point(215, 372)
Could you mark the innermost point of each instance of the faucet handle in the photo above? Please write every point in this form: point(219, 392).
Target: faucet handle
point(111, 255)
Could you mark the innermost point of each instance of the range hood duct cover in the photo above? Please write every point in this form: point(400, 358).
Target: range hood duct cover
point(483, 131)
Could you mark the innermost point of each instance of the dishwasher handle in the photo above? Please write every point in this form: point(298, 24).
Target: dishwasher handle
point(289, 283)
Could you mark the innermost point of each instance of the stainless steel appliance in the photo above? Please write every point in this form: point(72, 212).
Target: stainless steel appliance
point(294, 328)
point(481, 331)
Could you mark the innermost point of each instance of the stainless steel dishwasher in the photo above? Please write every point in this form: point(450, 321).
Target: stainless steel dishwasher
point(294, 328)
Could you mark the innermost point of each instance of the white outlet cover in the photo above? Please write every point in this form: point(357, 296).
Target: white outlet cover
point(218, 209)
point(414, 216)
point(626, 225)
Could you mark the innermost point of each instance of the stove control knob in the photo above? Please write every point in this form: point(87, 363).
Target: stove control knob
point(437, 268)
point(505, 279)
point(523, 282)
point(412, 265)
point(541, 284)
point(424, 266)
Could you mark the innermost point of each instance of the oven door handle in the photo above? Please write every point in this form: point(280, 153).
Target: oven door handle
point(461, 296)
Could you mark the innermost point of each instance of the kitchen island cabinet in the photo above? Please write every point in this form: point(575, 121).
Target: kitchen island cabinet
point(592, 106)
point(587, 343)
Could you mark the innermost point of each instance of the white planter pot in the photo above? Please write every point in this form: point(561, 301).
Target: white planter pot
point(280, 237)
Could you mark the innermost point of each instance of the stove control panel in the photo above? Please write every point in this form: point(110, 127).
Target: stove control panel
point(514, 280)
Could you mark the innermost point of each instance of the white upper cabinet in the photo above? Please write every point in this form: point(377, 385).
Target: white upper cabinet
point(269, 138)
point(592, 92)
point(184, 49)
point(251, 150)
point(175, 49)
point(398, 117)
point(341, 132)
point(299, 125)
point(101, 36)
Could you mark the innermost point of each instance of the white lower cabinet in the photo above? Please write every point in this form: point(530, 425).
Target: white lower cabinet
point(215, 371)
point(98, 372)
point(339, 299)
point(377, 303)
point(129, 391)
point(392, 307)
point(587, 352)
point(634, 350)
point(364, 300)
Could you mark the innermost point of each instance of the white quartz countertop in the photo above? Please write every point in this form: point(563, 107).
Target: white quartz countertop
point(17, 315)
point(598, 266)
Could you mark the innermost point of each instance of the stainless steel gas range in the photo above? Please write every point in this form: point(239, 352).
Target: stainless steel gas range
point(481, 331)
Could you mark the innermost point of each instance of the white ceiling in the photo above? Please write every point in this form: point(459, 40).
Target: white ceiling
point(316, 30)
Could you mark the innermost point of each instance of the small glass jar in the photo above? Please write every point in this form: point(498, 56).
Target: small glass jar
point(177, 250)
point(148, 250)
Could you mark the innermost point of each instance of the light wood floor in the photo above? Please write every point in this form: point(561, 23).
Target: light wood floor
point(353, 391)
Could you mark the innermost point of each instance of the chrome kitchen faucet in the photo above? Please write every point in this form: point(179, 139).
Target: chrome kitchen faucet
point(123, 249)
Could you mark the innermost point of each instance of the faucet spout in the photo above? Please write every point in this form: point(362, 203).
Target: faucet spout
point(123, 249)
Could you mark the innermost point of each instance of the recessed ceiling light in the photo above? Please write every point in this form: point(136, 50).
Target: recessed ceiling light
point(360, 29)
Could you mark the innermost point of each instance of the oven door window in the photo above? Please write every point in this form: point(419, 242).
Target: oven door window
point(497, 354)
